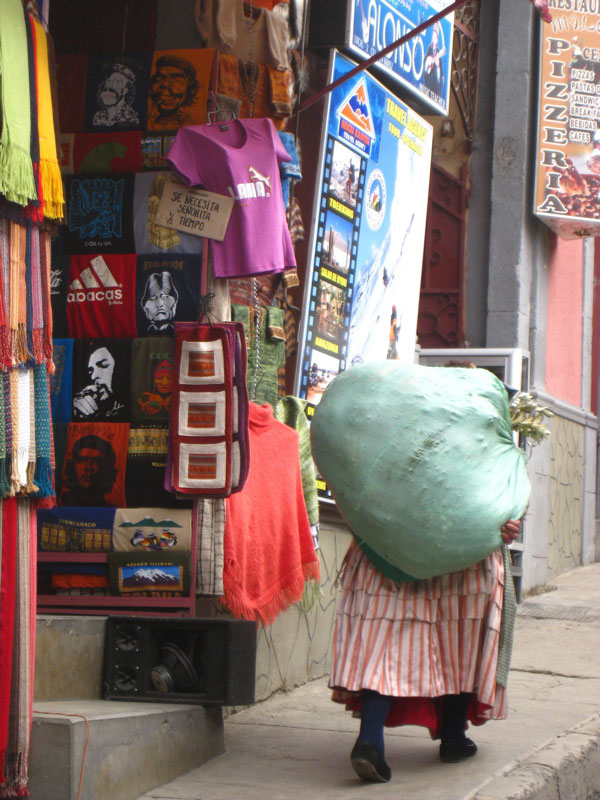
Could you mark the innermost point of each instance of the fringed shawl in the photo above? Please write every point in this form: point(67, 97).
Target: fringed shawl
point(16, 170)
point(50, 177)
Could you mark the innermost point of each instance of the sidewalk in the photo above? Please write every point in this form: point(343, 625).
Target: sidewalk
point(298, 744)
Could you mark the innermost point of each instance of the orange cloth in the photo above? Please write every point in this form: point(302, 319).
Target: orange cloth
point(269, 551)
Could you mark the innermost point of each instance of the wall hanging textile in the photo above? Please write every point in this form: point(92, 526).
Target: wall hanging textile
point(118, 152)
point(146, 466)
point(75, 530)
point(262, 39)
point(207, 433)
point(101, 375)
point(71, 78)
point(149, 574)
point(94, 464)
point(210, 545)
point(151, 380)
point(150, 237)
point(17, 181)
point(269, 551)
point(100, 301)
point(179, 85)
point(100, 216)
point(242, 156)
point(271, 88)
point(167, 290)
point(152, 530)
point(117, 92)
point(50, 178)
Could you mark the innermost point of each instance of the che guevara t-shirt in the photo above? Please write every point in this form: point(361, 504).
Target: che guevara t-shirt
point(240, 158)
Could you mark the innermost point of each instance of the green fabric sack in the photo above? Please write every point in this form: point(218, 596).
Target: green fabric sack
point(421, 462)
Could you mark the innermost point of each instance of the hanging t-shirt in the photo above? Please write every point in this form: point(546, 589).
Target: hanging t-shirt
point(167, 290)
point(101, 296)
point(99, 214)
point(101, 373)
point(240, 158)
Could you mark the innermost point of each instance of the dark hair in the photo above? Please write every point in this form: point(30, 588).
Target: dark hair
point(128, 74)
point(159, 282)
point(188, 70)
point(108, 472)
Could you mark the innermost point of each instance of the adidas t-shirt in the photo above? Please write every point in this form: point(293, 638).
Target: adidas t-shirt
point(101, 296)
point(240, 158)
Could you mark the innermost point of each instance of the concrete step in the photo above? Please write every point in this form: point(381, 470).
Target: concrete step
point(131, 747)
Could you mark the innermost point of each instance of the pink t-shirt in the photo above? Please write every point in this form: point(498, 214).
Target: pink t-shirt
point(240, 158)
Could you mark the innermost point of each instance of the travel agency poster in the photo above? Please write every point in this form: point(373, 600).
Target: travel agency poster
point(366, 248)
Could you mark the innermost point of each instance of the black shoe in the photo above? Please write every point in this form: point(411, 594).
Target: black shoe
point(453, 752)
point(368, 764)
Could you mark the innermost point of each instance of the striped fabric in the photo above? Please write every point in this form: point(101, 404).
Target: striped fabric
point(420, 640)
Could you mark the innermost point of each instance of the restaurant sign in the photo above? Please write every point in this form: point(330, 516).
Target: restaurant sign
point(567, 188)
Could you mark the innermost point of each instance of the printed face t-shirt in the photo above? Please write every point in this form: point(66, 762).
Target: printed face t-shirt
point(240, 158)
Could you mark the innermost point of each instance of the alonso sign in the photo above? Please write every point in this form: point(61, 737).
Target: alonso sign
point(365, 27)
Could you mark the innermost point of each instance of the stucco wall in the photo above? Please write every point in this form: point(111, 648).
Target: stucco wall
point(566, 496)
point(564, 321)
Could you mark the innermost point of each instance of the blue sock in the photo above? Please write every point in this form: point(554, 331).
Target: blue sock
point(374, 709)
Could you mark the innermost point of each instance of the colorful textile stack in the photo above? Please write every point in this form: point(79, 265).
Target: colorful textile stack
point(31, 198)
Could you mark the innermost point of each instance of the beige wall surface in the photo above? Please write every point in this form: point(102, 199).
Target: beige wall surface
point(566, 496)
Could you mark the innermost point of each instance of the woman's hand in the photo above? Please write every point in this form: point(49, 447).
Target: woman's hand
point(510, 530)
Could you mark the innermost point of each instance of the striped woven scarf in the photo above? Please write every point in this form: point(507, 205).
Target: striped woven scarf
point(21, 689)
point(45, 283)
point(5, 360)
point(43, 436)
point(17, 303)
point(8, 434)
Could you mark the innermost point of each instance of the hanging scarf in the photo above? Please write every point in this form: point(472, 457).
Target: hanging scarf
point(35, 297)
point(210, 537)
point(5, 360)
point(17, 304)
point(34, 210)
point(46, 285)
point(8, 433)
point(21, 690)
point(43, 471)
point(50, 177)
point(4, 484)
point(16, 171)
point(7, 613)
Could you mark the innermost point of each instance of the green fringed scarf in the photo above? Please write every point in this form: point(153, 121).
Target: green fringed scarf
point(17, 180)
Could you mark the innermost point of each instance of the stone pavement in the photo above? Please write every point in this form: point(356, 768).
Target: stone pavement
point(297, 744)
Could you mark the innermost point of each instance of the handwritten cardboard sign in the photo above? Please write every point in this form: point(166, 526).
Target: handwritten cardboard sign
point(194, 210)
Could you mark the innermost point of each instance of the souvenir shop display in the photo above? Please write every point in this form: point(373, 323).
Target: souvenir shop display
point(153, 379)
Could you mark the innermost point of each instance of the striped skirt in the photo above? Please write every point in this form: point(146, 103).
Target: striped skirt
point(419, 640)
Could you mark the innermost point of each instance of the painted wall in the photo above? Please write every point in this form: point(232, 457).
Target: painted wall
point(564, 321)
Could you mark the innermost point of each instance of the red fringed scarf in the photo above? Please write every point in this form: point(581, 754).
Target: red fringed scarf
point(7, 617)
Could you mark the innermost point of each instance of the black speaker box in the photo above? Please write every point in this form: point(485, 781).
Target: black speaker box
point(208, 662)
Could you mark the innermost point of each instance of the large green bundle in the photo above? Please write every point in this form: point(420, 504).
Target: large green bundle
point(421, 462)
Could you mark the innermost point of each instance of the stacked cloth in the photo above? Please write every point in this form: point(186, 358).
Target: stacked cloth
point(269, 551)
